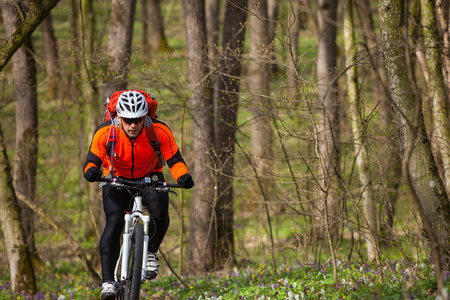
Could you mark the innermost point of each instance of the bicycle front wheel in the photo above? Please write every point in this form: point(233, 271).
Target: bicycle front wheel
point(133, 282)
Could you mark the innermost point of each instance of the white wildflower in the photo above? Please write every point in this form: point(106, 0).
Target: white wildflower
point(290, 296)
point(444, 294)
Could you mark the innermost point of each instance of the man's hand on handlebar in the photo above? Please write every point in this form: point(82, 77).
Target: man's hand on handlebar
point(186, 181)
point(93, 174)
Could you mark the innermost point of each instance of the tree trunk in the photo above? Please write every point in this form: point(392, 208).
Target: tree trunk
point(145, 24)
point(226, 110)
point(392, 171)
point(24, 70)
point(272, 22)
point(51, 56)
point(202, 218)
point(442, 9)
point(436, 86)
point(119, 47)
point(91, 118)
point(158, 42)
point(328, 129)
point(262, 110)
point(359, 133)
point(258, 85)
point(424, 174)
point(212, 26)
point(25, 29)
point(293, 78)
point(20, 265)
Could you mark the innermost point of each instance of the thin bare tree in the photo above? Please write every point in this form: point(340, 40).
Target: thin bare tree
point(51, 57)
point(328, 128)
point(90, 115)
point(201, 229)
point(293, 26)
point(119, 45)
point(442, 13)
point(226, 110)
point(212, 26)
point(359, 133)
point(25, 85)
point(392, 164)
point(258, 84)
point(20, 265)
point(158, 41)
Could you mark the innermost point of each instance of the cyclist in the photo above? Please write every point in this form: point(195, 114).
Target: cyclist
point(132, 157)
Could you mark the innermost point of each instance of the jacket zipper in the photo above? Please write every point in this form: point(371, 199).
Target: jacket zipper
point(132, 159)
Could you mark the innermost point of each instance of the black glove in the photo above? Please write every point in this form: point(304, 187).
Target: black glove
point(92, 174)
point(186, 181)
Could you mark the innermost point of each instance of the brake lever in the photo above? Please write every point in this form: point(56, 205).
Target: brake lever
point(165, 189)
point(117, 184)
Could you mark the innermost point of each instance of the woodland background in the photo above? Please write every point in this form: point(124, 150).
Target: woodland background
point(316, 131)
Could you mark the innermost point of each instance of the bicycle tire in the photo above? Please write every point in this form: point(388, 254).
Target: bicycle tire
point(133, 282)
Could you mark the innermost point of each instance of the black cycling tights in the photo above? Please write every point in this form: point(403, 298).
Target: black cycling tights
point(115, 203)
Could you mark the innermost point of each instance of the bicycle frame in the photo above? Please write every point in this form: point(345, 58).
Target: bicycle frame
point(130, 220)
point(133, 219)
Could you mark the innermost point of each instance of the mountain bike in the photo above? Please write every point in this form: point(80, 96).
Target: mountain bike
point(131, 265)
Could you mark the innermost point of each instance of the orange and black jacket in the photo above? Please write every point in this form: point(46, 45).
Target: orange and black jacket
point(133, 158)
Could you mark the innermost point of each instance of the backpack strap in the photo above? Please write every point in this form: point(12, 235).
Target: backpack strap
point(113, 135)
point(154, 141)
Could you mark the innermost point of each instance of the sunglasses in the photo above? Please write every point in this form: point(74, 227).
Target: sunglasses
point(131, 121)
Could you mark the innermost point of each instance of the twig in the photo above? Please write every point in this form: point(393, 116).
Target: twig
point(75, 245)
point(172, 270)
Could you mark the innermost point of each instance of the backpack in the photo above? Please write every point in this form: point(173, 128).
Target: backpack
point(111, 114)
point(111, 104)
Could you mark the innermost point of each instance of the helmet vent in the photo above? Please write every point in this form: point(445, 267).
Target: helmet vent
point(131, 104)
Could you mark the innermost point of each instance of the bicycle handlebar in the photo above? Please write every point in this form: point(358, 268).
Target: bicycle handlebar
point(147, 181)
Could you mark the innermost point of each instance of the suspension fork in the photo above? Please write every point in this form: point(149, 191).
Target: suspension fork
point(146, 220)
point(125, 249)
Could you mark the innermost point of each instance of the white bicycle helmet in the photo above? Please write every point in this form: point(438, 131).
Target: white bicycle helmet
point(131, 104)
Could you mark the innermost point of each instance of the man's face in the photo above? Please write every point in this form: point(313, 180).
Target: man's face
point(132, 127)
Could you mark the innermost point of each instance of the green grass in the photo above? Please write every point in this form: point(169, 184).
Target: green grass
point(403, 279)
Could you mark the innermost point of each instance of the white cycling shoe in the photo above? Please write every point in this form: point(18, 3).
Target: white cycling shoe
point(109, 291)
point(152, 266)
